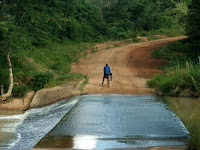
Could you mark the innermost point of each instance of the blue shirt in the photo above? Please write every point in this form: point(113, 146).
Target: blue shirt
point(106, 69)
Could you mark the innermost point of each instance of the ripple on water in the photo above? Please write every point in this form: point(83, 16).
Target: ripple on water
point(117, 121)
point(23, 131)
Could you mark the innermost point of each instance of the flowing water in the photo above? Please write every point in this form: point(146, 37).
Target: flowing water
point(23, 131)
point(94, 122)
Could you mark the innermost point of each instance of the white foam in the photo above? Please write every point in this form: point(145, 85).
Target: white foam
point(15, 141)
point(14, 117)
point(47, 109)
point(12, 123)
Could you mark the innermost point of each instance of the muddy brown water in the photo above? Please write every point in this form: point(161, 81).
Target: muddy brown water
point(187, 109)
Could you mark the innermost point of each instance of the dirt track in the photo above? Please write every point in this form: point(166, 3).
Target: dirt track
point(131, 66)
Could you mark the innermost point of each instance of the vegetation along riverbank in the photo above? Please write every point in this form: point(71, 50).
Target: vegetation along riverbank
point(40, 39)
point(43, 38)
point(181, 75)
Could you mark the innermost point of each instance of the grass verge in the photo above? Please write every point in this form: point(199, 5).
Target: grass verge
point(180, 76)
point(178, 81)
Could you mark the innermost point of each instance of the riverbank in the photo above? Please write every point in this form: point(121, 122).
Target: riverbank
point(44, 97)
point(131, 65)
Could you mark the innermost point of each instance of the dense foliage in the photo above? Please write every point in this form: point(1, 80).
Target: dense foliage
point(32, 29)
point(193, 29)
point(124, 18)
point(44, 20)
point(45, 36)
point(183, 80)
point(181, 76)
point(38, 22)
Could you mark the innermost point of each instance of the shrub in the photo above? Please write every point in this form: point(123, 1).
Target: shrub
point(194, 142)
point(178, 81)
point(20, 90)
point(39, 81)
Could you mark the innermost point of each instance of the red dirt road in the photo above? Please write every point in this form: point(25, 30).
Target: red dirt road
point(131, 66)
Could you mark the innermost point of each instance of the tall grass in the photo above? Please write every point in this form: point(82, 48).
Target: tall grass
point(181, 80)
point(194, 141)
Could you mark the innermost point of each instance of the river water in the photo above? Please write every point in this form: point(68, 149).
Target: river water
point(94, 122)
point(23, 131)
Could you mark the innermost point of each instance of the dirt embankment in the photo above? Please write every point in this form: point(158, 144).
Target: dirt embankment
point(43, 97)
point(131, 66)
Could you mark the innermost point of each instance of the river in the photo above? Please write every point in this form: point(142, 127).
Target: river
point(23, 131)
point(101, 121)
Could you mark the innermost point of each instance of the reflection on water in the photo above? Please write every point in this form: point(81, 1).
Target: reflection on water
point(100, 122)
point(116, 121)
point(85, 142)
point(22, 131)
point(77, 142)
point(59, 142)
point(187, 109)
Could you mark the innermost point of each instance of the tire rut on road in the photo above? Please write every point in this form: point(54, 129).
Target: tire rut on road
point(131, 66)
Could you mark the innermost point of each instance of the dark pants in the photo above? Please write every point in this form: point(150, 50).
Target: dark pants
point(105, 76)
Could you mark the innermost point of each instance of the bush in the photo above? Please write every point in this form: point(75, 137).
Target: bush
point(178, 81)
point(39, 81)
point(166, 85)
point(194, 142)
point(20, 90)
point(163, 83)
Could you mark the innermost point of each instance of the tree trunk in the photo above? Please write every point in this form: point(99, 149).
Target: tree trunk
point(4, 96)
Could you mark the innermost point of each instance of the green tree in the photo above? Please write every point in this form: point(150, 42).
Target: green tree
point(6, 47)
point(145, 14)
point(193, 29)
point(11, 39)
